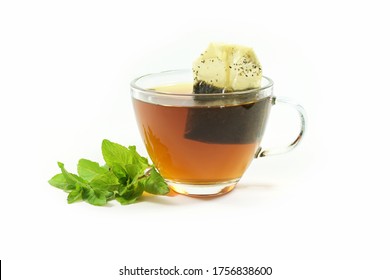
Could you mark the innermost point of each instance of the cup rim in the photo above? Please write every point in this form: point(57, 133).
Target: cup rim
point(133, 85)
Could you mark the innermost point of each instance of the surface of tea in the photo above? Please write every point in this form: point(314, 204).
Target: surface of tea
point(201, 144)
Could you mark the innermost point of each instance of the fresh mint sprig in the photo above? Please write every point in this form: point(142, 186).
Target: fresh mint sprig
point(124, 177)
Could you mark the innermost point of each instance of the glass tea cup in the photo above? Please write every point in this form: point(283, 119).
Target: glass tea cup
point(202, 143)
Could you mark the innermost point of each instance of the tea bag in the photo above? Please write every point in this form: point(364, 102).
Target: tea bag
point(224, 68)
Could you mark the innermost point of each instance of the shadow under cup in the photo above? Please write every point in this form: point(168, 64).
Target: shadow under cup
point(200, 143)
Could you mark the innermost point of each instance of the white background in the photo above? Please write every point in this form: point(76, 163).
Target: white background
point(320, 211)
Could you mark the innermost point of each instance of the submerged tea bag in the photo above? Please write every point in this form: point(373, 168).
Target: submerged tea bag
point(224, 68)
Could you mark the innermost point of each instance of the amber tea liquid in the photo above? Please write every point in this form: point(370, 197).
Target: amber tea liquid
point(201, 145)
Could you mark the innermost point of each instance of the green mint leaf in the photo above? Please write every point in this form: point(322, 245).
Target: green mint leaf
point(75, 195)
point(102, 189)
point(138, 159)
point(71, 179)
point(59, 181)
point(123, 177)
point(133, 171)
point(130, 193)
point(115, 153)
point(94, 197)
point(105, 182)
point(89, 169)
point(120, 172)
point(155, 184)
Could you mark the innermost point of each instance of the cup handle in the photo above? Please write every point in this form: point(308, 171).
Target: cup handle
point(281, 150)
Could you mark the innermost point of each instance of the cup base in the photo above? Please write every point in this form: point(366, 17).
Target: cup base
point(202, 189)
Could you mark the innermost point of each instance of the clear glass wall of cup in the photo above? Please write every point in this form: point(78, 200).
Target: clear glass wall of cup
point(202, 143)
